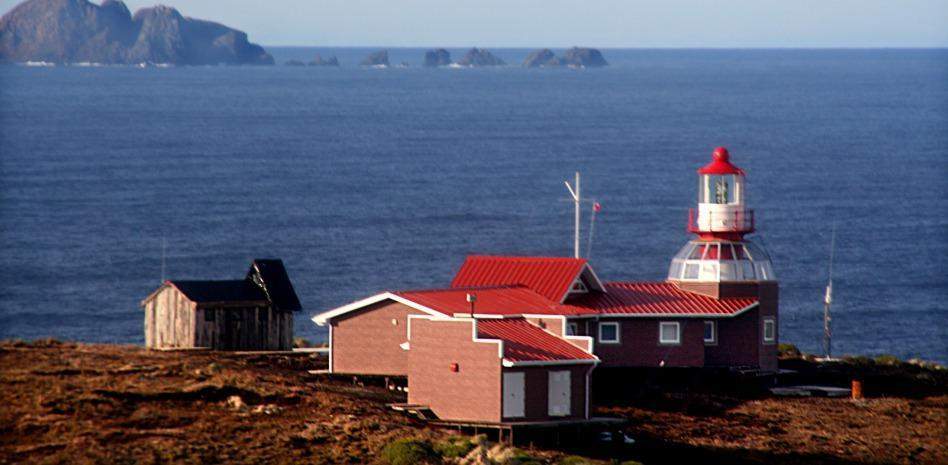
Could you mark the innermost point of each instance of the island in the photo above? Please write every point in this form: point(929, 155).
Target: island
point(78, 31)
point(294, 63)
point(539, 58)
point(377, 59)
point(576, 57)
point(476, 57)
point(318, 60)
point(437, 57)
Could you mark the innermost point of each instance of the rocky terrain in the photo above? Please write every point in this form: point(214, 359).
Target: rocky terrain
point(83, 404)
point(379, 58)
point(437, 57)
point(576, 57)
point(77, 31)
point(476, 57)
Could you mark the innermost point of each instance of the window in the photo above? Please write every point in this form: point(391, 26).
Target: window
point(609, 333)
point(572, 328)
point(770, 330)
point(579, 287)
point(209, 315)
point(669, 332)
point(710, 333)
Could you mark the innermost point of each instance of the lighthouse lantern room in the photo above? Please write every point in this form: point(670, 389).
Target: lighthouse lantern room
point(720, 253)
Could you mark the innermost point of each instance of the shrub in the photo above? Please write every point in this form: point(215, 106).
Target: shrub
point(888, 359)
point(785, 350)
point(575, 460)
point(410, 452)
point(454, 446)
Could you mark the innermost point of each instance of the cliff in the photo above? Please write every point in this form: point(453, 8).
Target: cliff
point(75, 31)
point(437, 57)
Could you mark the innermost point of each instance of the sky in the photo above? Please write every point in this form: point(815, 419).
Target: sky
point(563, 23)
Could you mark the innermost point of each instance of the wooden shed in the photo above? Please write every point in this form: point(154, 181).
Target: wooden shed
point(254, 313)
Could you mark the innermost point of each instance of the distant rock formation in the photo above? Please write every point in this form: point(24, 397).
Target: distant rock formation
point(479, 57)
point(379, 59)
point(575, 57)
point(294, 63)
point(319, 61)
point(437, 57)
point(76, 31)
point(583, 57)
point(539, 58)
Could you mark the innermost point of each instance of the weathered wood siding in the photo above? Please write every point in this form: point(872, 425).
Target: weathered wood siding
point(244, 328)
point(174, 322)
point(169, 320)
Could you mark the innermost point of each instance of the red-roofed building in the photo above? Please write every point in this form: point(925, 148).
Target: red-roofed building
point(507, 336)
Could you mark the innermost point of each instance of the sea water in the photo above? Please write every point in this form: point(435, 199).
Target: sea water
point(363, 180)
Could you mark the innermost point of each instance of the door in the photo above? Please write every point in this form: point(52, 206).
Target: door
point(559, 393)
point(513, 395)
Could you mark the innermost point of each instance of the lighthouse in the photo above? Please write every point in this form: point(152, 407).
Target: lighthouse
point(720, 253)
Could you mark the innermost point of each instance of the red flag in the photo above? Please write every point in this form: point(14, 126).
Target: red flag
point(597, 208)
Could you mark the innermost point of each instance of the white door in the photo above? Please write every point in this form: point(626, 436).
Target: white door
point(513, 395)
point(559, 393)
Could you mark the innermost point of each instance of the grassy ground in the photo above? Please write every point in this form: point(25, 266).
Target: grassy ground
point(77, 403)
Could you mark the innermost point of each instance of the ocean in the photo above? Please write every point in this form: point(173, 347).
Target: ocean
point(363, 180)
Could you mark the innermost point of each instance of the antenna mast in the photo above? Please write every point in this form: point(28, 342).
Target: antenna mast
point(827, 301)
point(576, 199)
point(164, 245)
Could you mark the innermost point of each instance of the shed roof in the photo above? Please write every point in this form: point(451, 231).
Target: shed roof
point(238, 290)
point(526, 342)
point(550, 277)
point(270, 275)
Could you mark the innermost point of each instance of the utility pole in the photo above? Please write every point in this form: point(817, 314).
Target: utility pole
point(575, 193)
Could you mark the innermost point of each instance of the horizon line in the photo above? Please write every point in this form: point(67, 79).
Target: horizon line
point(512, 47)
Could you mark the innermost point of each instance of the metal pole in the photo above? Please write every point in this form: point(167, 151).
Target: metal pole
point(576, 232)
point(827, 301)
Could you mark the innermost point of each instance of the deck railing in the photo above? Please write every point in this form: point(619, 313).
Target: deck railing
point(739, 221)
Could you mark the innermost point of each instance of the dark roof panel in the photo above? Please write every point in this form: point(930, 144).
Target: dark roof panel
point(219, 291)
point(270, 275)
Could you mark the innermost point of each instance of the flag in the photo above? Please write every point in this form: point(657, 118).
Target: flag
point(597, 208)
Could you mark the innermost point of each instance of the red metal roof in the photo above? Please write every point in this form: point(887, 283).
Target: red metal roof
point(656, 298)
point(526, 342)
point(550, 277)
point(500, 300)
point(720, 164)
point(621, 298)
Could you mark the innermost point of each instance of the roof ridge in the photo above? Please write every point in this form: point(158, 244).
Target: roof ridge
point(466, 288)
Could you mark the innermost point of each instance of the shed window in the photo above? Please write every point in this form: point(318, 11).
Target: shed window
point(669, 332)
point(609, 333)
point(572, 328)
point(710, 332)
point(770, 330)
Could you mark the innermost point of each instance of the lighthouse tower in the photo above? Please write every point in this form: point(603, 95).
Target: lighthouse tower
point(720, 255)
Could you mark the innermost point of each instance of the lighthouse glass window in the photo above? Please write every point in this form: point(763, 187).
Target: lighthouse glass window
point(719, 189)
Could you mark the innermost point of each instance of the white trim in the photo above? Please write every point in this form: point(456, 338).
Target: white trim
point(714, 333)
point(588, 374)
point(617, 340)
point(330, 349)
point(563, 322)
point(324, 317)
point(500, 343)
point(479, 316)
point(661, 339)
point(597, 284)
point(773, 322)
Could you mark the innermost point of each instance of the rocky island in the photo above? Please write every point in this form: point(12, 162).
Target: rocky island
point(78, 31)
point(437, 57)
point(318, 60)
point(377, 59)
point(476, 57)
point(576, 57)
